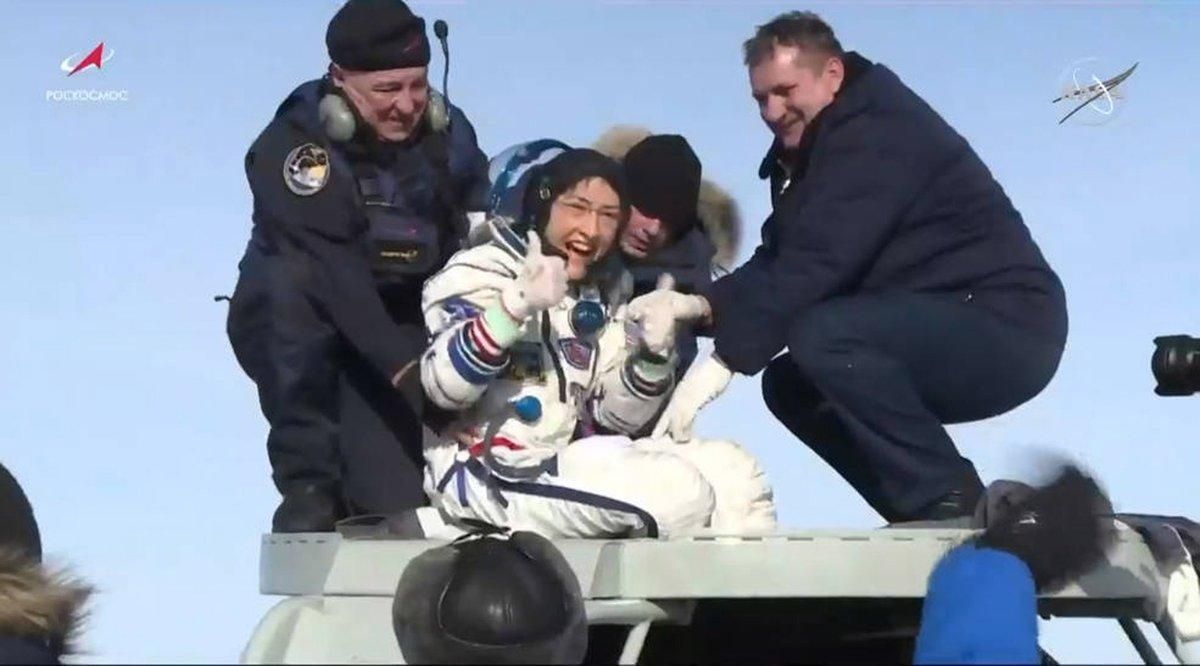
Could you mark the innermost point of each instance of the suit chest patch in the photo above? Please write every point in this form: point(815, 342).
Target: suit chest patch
point(578, 353)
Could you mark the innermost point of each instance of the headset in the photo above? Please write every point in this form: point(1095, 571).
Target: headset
point(340, 122)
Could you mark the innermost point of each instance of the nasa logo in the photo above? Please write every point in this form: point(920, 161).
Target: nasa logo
point(1095, 99)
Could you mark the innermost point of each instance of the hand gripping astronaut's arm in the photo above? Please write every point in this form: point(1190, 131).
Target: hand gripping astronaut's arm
point(475, 310)
point(660, 313)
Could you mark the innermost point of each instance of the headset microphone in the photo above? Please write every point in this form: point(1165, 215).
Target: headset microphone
point(442, 31)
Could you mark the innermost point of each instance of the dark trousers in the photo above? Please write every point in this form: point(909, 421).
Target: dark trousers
point(869, 381)
point(333, 420)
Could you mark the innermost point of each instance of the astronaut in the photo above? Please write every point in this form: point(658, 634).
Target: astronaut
point(530, 350)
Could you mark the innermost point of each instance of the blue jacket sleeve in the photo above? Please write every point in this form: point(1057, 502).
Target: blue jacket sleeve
point(865, 171)
point(325, 233)
point(980, 608)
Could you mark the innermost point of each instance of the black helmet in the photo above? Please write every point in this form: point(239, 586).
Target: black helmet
point(490, 598)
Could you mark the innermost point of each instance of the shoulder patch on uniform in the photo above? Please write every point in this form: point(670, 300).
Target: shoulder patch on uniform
point(459, 309)
point(306, 169)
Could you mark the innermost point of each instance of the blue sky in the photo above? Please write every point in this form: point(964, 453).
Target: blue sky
point(140, 442)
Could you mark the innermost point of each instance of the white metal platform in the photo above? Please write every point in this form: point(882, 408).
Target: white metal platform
point(340, 590)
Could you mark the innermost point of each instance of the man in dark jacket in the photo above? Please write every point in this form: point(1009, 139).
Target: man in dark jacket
point(893, 269)
point(680, 223)
point(361, 183)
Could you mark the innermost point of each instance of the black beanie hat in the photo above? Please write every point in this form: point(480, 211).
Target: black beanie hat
point(18, 528)
point(664, 180)
point(372, 35)
point(561, 174)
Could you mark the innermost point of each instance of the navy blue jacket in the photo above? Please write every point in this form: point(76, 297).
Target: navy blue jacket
point(883, 195)
point(328, 229)
point(24, 650)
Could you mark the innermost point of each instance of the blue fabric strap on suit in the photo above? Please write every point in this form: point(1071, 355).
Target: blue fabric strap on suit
point(496, 484)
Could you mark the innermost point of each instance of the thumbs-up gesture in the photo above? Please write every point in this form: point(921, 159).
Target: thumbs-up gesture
point(541, 284)
point(659, 313)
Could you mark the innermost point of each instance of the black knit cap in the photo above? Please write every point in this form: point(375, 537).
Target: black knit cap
point(560, 174)
point(372, 35)
point(664, 181)
point(18, 528)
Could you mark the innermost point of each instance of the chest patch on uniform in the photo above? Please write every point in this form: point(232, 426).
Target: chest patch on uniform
point(577, 352)
point(306, 169)
point(525, 363)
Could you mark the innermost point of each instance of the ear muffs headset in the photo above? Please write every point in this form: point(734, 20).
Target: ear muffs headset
point(340, 122)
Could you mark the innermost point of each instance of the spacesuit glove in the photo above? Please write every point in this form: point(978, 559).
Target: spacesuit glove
point(541, 284)
point(659, 313)
point(701, 385)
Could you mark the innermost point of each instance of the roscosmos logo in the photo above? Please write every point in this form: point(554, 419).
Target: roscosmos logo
point(76, 63)
point(72, 64)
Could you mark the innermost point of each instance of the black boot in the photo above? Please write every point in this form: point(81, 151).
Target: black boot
point(308, 508)
point(952, 505)
point(955, 509)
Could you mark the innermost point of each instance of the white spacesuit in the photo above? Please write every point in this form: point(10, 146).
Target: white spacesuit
point(522, 397)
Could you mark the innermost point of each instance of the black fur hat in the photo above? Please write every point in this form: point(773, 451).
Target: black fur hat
point(1060, 530)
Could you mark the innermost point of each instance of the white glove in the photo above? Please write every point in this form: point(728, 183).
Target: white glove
point(541, 284)
point(659, 313)
point(701, 385)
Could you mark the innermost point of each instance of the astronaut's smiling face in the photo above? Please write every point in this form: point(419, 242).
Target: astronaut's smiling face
point(583, 224)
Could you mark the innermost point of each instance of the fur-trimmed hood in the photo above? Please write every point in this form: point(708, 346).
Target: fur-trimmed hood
point(38, 603)
point(717, 210)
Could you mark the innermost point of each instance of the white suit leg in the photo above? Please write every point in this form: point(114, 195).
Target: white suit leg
point(744, 500)
point(668, 487)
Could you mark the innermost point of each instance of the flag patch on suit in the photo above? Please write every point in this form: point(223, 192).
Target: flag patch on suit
point(576, 352)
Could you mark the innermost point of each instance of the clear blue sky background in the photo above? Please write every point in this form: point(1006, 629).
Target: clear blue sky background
point(140, 441)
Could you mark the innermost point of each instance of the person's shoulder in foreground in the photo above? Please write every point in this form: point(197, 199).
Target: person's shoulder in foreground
point(40, 609)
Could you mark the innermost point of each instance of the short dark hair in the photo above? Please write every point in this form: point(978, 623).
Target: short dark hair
point(803, 30)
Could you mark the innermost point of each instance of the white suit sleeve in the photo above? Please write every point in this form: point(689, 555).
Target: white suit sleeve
point(469, 331)
point(631, 387)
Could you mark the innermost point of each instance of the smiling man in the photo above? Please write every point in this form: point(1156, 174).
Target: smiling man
point(679, 223)
point(894, 270)
point(361, 184)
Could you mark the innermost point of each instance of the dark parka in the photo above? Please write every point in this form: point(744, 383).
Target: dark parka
point(330, 230)
point(882, 195)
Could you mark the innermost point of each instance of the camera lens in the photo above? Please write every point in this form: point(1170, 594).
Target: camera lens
point(1176, 365)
